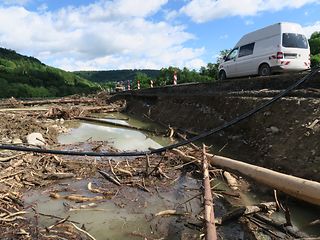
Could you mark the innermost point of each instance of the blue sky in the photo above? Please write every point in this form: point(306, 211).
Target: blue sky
point(122, 34)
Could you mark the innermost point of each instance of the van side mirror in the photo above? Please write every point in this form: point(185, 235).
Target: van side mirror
point(224, 58)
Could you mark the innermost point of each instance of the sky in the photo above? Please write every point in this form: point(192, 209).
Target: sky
point(140, 34)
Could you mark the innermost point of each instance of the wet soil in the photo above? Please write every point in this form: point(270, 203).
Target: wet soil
point(30, 184)
point(283, 137)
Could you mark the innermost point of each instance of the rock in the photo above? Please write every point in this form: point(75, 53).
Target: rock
point(5, 140)
point(16, 141)
point(35, 139)
point(273, 129)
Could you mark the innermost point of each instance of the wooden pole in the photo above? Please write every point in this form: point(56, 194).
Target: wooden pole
point(300, 188)
point(208, 201)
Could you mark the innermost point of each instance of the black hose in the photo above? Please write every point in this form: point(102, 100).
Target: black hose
point(179, 144)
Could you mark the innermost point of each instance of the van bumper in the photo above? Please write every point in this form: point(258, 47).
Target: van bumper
point(279, 69)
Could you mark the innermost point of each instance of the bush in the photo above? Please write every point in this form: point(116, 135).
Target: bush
point(315, 60)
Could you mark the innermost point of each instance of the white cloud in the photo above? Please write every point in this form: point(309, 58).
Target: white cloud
point(312, 28)
point(249, 22)
point(103, 35)
point(170, 14)
point(206, 10)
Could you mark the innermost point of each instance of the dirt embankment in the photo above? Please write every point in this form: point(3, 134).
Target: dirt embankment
point(284, 137)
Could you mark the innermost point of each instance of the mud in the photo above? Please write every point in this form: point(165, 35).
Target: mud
point(31, 183)
point(283, 137)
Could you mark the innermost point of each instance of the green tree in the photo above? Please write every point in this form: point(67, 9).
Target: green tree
point(144, 80)
point(314, 43)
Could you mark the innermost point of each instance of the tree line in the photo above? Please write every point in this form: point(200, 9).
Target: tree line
point(23, 77)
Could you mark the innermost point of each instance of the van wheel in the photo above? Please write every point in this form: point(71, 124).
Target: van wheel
point(264, 70)
point(222, 75)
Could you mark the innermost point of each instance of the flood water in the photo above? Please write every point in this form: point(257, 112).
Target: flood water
point(130, 211)
point(108, 220)
point(117, 137)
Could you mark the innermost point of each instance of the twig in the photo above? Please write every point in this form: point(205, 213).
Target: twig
point(59, 222)
point(156, 167)
point(111, 168)
point(108, 177)
point(7, 159)
point(83, 231)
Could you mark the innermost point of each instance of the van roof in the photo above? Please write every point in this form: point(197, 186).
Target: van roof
point(269, 31)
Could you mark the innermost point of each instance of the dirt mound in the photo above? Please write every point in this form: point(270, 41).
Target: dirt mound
point(284, 137)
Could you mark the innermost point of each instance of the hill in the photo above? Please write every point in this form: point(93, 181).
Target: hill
point(22, 77)
point(116, 75)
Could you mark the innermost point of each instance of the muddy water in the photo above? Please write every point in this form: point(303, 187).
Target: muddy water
point(119, 138)
point(130, 211)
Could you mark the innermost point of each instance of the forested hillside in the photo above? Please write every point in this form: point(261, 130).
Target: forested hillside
point(116, 75)
point(22, 77)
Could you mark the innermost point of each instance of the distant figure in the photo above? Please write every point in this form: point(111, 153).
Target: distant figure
point(151, 83)
point(129, 85)
point(138, 84)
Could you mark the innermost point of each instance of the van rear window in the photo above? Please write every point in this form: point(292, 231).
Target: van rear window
point(294, 40)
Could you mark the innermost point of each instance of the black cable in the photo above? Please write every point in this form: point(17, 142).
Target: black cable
point(179, 144)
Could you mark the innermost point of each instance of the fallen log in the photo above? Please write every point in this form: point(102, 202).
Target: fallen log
point(103, 121)
point(208, 201)
point(299, 188)
point(246, 210)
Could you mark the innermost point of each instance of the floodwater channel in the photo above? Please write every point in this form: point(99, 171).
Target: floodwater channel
point(111, 219)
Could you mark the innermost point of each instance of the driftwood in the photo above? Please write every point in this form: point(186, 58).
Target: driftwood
point(124, 171)
point(246, 210)
point(232, 181)
point(184, 157)
point(7, 159)
point(300, 188)
point(83, 231)
point(169, 212)
point(103, 121)
point(292, 231)
point(56, 176)
point(208, 201)
point(109, 177)
point(75, 197)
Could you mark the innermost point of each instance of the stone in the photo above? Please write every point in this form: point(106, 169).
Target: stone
point(16, 141)
point(35, 139)
point(273, 129)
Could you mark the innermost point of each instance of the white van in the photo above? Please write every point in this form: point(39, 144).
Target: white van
point(276, 48)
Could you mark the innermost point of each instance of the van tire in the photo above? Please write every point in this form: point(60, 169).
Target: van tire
point(264, 70)
point(222, 75)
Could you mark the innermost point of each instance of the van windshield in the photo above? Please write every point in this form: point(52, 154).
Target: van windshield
point(294, 40)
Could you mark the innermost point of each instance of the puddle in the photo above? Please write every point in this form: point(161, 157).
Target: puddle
point(301, 214)
point(119, 138)
point(130, 211)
